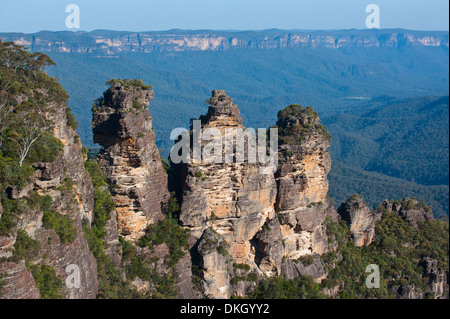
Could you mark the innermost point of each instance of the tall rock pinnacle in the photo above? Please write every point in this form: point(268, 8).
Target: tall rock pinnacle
point(304, 164)
point(223, 112)
point(225, 204)
point(122, 124)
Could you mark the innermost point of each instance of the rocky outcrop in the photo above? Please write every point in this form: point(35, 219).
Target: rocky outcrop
point(413, 211)
point(304, 163)
point(130, 159)
point(315, 269)
point(133, 167)
point(358, 216)
point(437, 278)
point(261, 216)
point(407, 292)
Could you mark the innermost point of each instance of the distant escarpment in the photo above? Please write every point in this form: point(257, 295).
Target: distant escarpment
point(113, 42)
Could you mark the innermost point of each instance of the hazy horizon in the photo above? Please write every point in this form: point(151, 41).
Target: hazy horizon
point(225, 30)
point(27, 16)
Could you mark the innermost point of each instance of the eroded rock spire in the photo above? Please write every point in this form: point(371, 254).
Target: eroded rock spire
point(130, 159)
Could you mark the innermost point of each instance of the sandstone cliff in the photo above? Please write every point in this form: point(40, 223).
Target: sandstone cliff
point(138, 183)
point(248, 227)
point(112, 43)
point(233, 199)
point(261, 217)
point(69, 188)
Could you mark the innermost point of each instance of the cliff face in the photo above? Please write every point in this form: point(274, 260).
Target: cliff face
point(261, 217)
point(110, 42)
point(70, 188)
point(77, 204)
point(130, 159)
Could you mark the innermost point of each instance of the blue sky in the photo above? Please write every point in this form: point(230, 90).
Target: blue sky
point(148, 15)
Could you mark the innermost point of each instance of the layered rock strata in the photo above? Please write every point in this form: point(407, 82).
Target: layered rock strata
point(304, 163)
point(130, 159)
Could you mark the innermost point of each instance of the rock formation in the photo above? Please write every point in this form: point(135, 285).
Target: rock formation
point(304, 163)
point(360, 219)
point(261, 217)
point(233, 199)
point(437, 278)
point(133, 167)
point(130, 159)
point(243, 220)
point(411, 210)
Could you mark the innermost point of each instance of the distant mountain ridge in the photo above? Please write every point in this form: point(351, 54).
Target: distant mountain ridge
point(113, 42)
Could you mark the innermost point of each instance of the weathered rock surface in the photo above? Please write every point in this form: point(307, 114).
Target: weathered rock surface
point(268, 247)
point(70, 187)
point(294, 269)
point(360, 219)
point(304, 164)
point(238, 200)
point(130, 159)
point(183, 278)
point(437, 278)
point(234, 199)
point(114, 249)
point(18, 283)
point(216, 273)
